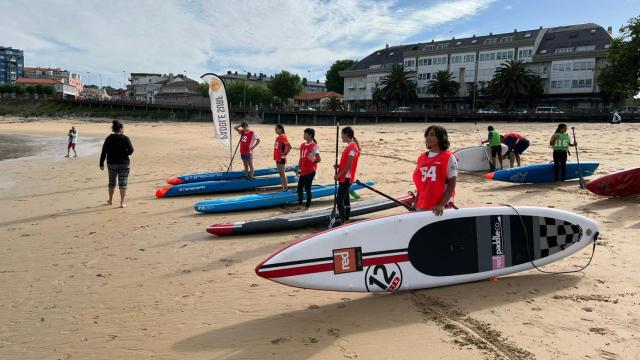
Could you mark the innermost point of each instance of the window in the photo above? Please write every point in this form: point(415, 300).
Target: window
point(527, 35)
point(429, 47)
point(585, 48)
point(474, 41)
point(442, 46)
point(469, 58)
point(409, 63)
point(581, 84)
point(525, 53)
point(491, 41)
point(391, 53)
point(583, 65)
point(564, 50)
point(506, 39)
point(375, 66)
point(458, 43)
point(456, 59)
point(543, 51)
point(428, 76)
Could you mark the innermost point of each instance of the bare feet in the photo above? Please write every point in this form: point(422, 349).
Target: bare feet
point(109, 202)
point(123, 205)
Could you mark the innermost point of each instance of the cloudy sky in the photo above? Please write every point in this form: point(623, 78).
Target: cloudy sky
point(101, 39)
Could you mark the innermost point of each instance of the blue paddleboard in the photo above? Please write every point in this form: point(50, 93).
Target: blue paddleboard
point(258, 201)
point(541, 173)
point(222, 175)
point(206, 187)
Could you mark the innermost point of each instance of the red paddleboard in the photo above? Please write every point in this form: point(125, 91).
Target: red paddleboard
point(621, 183)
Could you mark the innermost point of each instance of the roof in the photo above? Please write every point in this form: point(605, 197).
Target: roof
point(318, 95)
point(574, 36)
point(33, 68)
point(37, 81)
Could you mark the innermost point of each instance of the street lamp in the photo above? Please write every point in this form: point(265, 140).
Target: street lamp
point(124, 87)
point(185, 87)
point(308, 77)
point(244, 90)
point(100, 77)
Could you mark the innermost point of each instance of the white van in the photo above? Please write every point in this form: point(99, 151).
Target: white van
point(548, 110)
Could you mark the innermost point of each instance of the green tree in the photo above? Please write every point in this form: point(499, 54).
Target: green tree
point(335, 82)
point(285, 85)
point(19, 90)
point(30, 90)
point(398, 85)
point(204, 89)
point(620, 77)
point(5, 89)
point(48, 90)
point(38, 89)
point(334, 104)
point(511, 82)
point(443, 86)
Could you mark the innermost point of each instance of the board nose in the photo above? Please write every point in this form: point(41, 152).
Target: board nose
point(489, 175)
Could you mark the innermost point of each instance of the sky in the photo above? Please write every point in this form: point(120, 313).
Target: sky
point(101, 39)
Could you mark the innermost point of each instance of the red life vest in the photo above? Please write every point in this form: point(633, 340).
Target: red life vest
point(343, 162)
point(517, 136)
point(278, 153)
point(307, 165)
point(246, 139)
point(430, 178)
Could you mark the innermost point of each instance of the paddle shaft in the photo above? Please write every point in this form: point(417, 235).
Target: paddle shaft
point(483, 147)
point(409, 207)
point(573, 129)
point(234, 154)
point(335, 182)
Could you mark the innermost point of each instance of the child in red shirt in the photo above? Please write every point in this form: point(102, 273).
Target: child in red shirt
point(436, 172)
point(346, 172)
point(309, 159)
point(280, 151)
point(248, 141)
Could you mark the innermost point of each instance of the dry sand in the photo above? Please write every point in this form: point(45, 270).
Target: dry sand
point(83, 280)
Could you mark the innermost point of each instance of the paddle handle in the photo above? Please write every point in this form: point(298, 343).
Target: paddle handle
point(483, 147)
point(234, 154)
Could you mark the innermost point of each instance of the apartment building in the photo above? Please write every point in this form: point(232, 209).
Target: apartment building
point(11, 65)
point(564, 57)
point(72, 84)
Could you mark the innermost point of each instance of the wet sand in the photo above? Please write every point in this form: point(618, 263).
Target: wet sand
point(84, 280)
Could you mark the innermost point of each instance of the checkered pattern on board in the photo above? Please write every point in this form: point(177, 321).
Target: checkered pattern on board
point(556, 235)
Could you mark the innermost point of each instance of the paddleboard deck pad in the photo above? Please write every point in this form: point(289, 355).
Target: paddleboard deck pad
point(304, 218)
point(420, 250)
point(222, 175)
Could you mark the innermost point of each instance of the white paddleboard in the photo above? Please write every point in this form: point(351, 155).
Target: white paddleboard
point(475, 158)
point(420, 250)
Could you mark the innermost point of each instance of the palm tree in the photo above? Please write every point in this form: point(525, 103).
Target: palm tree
point(398, 85)
point(512, 82)
point(443, 86)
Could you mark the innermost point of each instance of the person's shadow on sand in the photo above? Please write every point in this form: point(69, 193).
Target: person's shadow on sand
point(302, 333)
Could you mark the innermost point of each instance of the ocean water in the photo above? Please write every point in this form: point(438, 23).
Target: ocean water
point(15, 146)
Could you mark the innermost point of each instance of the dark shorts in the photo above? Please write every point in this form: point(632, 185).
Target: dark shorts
point(518, 148)
point(247, 157)
point(71, 146)
point(119, 171)
point(496, 150)
point(283, 161)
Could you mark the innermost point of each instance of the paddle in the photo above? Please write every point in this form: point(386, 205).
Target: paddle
point(573, 129)
point(332, 221)
point(483, 147)
point(409, 207)
point(234, 155)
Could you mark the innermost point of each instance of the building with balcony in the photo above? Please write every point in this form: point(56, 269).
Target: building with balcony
point(90, 93)
point(61, 90)
point(180, 90)
point(315, 100)
point(11, 65)
point(564, 57)
point(73, 84)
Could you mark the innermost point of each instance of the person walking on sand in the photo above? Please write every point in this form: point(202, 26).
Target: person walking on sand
point(116, 150)
point(560, 142)
point(280, 151)
point(496, 149)
point(517, 144)
point(616, 118)
point(73, 140)
point(346, 172)
point(248, 141)
point(309, 159)
point(435, 173)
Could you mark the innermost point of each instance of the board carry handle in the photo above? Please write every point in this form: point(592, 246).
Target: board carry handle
point(408, 207)
point(573, 129)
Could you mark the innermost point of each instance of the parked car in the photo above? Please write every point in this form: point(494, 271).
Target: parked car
point(629, 110)
point(488, 111)
point(519, 111)
point(548, 110)
point(402, 109)
point(307, 109)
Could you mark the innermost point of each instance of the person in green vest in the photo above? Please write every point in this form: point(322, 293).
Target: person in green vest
point(560, 142)
point(496, 147)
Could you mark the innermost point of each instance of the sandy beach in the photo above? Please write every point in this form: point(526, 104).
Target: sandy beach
point(84, 280)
